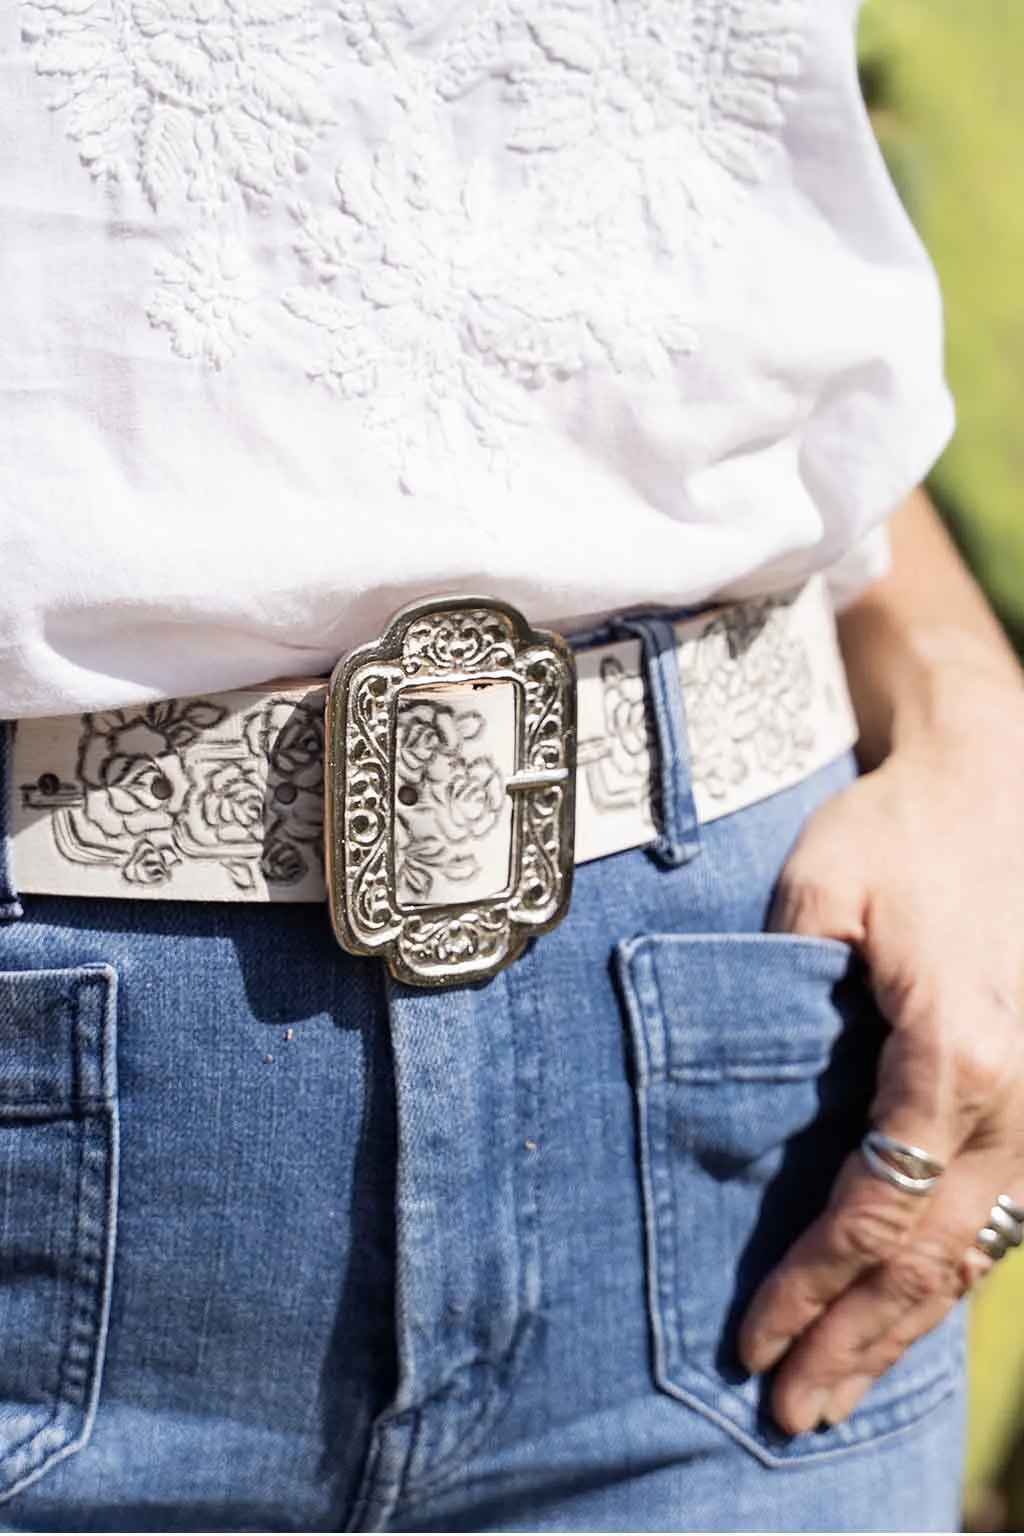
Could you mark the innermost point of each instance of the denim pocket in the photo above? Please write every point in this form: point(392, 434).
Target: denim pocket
point(58, 1185)
point(755, 1063)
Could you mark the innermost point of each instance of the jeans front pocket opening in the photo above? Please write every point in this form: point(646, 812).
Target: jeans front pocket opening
point(754, 1060)
point(67, 1090)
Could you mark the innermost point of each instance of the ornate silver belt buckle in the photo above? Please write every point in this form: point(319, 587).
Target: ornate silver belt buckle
point(450, 790)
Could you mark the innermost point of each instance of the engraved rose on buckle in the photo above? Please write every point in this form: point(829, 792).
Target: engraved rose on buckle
point(445, 798)
point(430, 733)
point(468, 803)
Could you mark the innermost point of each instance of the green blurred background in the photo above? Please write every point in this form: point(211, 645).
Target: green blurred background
point(945, 83)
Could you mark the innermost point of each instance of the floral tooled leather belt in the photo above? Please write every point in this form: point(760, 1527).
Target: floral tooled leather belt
point(440, 787)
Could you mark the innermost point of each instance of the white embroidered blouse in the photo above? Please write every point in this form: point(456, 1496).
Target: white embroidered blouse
point(309, 307)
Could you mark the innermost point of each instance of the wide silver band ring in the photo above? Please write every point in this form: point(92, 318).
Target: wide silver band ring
point(908, 1168)
point(1003, 1230)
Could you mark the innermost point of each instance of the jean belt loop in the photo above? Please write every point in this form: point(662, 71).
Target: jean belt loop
point(678, 838)
point(10, 906)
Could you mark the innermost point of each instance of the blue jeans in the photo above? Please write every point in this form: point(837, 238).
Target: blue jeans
point(283, 1247)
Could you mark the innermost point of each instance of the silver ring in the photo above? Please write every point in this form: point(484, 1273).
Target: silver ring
point(1012, 1208)
point(1001, 1220)
point(991, 1243)
point(1004, 1228)
point(909, 1168)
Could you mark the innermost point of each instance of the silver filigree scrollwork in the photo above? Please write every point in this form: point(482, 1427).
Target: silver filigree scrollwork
point(544, 725)
point(465, 640)
point(450, 790)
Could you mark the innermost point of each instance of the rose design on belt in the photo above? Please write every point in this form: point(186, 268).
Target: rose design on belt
point(749, 688)
point(254, 801)
point(131, 788)
point(229, 800)
point(150, 863)
point(130, 767)
point(445, 798)
point(291, 738)
point(222, 816)
point(617, 763)
point(183, 781)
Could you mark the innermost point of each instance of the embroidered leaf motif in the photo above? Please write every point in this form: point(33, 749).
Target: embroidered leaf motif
point(319, 306)
point(246, 151)
point(574, 41)
point(75, 55)
point(167, 145)
point(445, 308)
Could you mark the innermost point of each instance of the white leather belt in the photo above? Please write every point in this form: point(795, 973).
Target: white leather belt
point(470, 762)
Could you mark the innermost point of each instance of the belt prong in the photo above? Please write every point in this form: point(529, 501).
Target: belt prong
point(536, 778)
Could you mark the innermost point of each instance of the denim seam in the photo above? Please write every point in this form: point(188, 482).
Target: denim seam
point(446, 1470)
point(13, 1109)
point(636, 976)
point(725, 1408)
point(524, 1012)
point(377, 1496)
point(449, 1470)
point(87, 1317)
point(794, 1069)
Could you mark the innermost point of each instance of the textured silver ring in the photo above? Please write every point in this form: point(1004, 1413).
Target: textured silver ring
point(906, 1167)
point(1004, 1228)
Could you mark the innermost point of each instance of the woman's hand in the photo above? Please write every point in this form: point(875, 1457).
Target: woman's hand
point(920, 865)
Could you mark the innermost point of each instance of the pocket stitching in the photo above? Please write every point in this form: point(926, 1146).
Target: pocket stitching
point(673, 1348)
point(720, 1404)
point(95, 1004)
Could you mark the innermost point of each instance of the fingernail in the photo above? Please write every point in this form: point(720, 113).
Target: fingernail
point(811, 1411)
point(845, 1398)
point(767, 1352)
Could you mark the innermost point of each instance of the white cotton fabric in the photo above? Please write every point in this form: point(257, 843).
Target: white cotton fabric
point(311, 307)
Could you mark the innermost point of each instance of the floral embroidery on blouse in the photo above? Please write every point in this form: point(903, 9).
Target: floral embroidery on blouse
point(442, 286)
point(192, 99)
point(443, 314)
point(647, 99)
point(206, 298)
